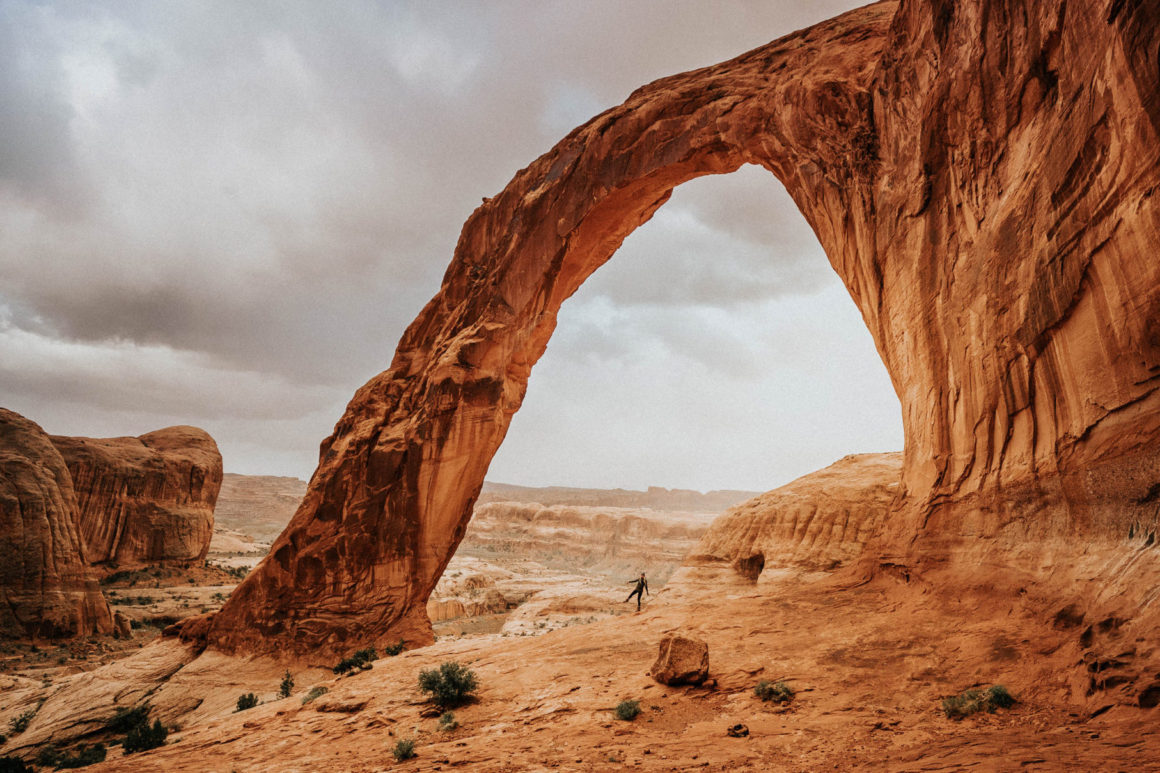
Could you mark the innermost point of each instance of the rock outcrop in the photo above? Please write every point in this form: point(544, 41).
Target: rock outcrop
point(145, 500)
point(819, 521)
point(47, 587)
point(981, 176)
point(681, 660)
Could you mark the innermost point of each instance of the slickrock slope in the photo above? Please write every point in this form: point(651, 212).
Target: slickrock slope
point(46, 587)
point(819, 521)
point(981, 176)
point(145, 500)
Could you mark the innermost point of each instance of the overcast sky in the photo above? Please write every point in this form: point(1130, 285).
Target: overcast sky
point(225, 214)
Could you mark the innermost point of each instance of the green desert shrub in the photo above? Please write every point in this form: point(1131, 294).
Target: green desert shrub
point(396, 648)
point(360, 660)
point(628, 710)
point(447, 721)
point(247, 701)
point(973, 701)
point(404, 749)
point(145, 737)
point(81, 758)
point(127, 719)
point(778, 692)
point(314, 693)
point(21, 723)
point(449, 685)
point(286, 686)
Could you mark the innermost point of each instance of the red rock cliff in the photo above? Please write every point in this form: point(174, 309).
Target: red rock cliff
point(981, 175)
point(47, 588)
point(145, 500)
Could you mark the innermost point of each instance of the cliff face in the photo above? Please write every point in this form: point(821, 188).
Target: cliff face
point(47, 588)
point(145, 500)
point(819, 521)
point(981, 176)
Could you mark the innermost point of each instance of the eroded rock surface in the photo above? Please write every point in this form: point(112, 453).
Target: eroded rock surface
point(47, 588)
point(980, 174)
point(681, 660)
point(819, 521)
point(145, 500)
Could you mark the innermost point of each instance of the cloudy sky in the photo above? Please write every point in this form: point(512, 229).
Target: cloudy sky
point(225, 214)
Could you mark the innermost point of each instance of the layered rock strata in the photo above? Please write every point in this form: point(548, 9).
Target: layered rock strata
point(145, 500)
point(819, 521)
point(981, 176)
point(47, 588)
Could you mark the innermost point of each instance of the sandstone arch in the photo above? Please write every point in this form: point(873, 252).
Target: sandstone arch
point(979, 174)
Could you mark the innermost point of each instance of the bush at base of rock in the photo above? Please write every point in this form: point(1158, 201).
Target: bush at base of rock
point(143, 737)
point(404, 749)
point(360, 660)
point(681, 660)
point(246, 701)
point(971, 702)
point(778, 692)
point(449, 685)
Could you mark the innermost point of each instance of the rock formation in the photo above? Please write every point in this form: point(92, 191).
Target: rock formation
point(681, 660)
point(47, 588)
point(145, 500)
point(819, 521)
point(981, 176)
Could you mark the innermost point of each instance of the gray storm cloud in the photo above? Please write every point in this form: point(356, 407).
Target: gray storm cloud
point(225, 214)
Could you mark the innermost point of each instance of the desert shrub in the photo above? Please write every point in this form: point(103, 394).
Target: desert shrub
point(395, 649)
point(81, 758)
point(447, 721)
point(145, 737)
point(628, 710)
point(127, 719)
point(314, 693)
point(246, 701)
point(359, 660)
point(48, 756)
point(286, 685)
point(973, 701)
point(14, 765)
point(21, 723)
point(448, 686)
point(778, 692)
point(999, 697)
point(404, 749)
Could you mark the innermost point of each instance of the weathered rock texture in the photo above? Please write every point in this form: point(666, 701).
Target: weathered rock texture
point(145, 500)
point(47, 588)
point(819, 521)
point(681, 660)
point(981, 175)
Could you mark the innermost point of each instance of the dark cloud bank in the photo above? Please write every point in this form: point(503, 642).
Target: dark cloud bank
point(225, 214)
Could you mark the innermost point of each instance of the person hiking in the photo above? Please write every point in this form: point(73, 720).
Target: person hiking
point(641, 586)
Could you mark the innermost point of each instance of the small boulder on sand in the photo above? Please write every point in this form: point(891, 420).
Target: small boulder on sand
point(681, 660)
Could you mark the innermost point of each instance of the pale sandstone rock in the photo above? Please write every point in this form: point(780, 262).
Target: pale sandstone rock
point(681, 660)
point(145, 500)
point(981, 179)
point(819, 521)
point(46, 587)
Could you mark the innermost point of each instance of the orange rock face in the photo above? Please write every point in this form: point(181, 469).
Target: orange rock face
point(47, 588)
point(819, 521)
point(145, 500)
point(981, 175)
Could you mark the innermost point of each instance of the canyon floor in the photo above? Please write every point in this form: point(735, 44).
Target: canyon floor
point(869, 665)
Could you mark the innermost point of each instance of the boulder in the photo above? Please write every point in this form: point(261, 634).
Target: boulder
point(681, 660)
point(46, 588)
point(145, 500)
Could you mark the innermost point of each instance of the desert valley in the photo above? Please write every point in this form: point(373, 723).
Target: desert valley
point(982, 178)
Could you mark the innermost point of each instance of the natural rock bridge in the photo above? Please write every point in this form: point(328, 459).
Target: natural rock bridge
point(981, 175)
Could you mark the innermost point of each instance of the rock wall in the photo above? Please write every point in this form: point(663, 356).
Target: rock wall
point(819, 521)
point(145, 500)
point(47, 588)
point(981, 175)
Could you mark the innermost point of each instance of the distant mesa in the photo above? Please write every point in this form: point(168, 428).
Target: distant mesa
point(144, 500)
point(47, 589)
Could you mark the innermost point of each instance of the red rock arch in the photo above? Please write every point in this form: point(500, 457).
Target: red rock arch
point(981, 228)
